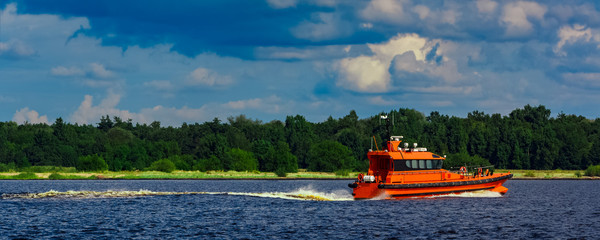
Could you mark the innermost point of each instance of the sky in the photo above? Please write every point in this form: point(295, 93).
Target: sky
point(193, 61)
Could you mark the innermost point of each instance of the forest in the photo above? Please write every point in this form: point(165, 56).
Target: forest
point(527, 138)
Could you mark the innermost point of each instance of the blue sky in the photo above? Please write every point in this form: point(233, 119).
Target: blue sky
point(192, 61)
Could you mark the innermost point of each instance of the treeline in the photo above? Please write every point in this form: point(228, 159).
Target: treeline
point(527, 138)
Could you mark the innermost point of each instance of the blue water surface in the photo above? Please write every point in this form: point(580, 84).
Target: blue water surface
point(531, 209)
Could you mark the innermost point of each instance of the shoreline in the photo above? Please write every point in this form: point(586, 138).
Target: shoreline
point(233, 175)
point(271, 179)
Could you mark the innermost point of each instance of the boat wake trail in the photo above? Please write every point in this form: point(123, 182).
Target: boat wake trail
point(474, 194)
point(307, 194)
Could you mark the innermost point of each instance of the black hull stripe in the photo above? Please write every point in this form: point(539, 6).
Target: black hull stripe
point(443, 184)
point(439, 193)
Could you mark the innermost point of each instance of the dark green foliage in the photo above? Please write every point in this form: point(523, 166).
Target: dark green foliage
point(457, 160)
point(5, 167)
point(240, 160)
point(208, 164)
point(163, 165)
point(528, 138)
point(91, 163)
point(330, 156)
point(280, 172)
point(593, 171)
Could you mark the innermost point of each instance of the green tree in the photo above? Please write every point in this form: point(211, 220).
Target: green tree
point(91, 163)
point(208, 164)
point(163, 165)
point(240, 160)
point(330, 156)
point(299, 136)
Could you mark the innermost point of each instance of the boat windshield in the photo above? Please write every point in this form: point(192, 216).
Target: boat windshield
point(408, 165)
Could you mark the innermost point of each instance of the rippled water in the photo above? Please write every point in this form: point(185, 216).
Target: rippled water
point(223, 209)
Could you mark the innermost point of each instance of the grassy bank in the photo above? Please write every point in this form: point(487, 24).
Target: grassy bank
point(518, 174)
point(546, 174)
point(172, 175)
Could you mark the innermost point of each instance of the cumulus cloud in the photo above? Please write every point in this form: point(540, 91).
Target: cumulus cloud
point(15, 49)
point(486, 6)
point(450, 17)
point(269, 105)
point(98, 70)
point(364, 74)
point(391, 11)
point(207, 77)
point(587, 80)
point(516, 17)
point(422, 10)
point(88, 113)
point(371, 73)
point(572, 34)
point(25, 115)
point(379, 100)
point(323, 26)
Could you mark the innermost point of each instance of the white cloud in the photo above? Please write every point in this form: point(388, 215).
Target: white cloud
point(15, 49)
point(87, 113)
point(29, 116)
point(99, 71)
point(207, 77)
point(486, 6)
point(422, 10)
point(583, 79)
point(323, 26)
point(279, 4)
point(391, 11)
point(366, 25)
point(62, 71)
point(269, 105)
point(364, 74)
point(516, 16)
point(570, 35)
point(450, 16)
point(371, 73)
point(379, 100)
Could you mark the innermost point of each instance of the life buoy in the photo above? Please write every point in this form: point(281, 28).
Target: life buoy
point(463, 170)
point(360, 177)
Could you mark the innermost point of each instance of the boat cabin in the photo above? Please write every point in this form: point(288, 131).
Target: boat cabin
point(401, 160)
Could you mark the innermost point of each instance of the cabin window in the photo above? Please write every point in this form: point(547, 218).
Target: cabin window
point(409, 165)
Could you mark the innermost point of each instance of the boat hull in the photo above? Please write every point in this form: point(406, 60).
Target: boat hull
point(408, 190)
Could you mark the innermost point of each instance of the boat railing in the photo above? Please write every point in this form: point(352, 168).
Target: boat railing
point(415, 173)
point(474, 170)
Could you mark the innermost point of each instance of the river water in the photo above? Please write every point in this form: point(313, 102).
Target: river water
point(290, 209)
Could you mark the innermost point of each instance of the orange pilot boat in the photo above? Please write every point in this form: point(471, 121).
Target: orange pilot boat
point(403, 172)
